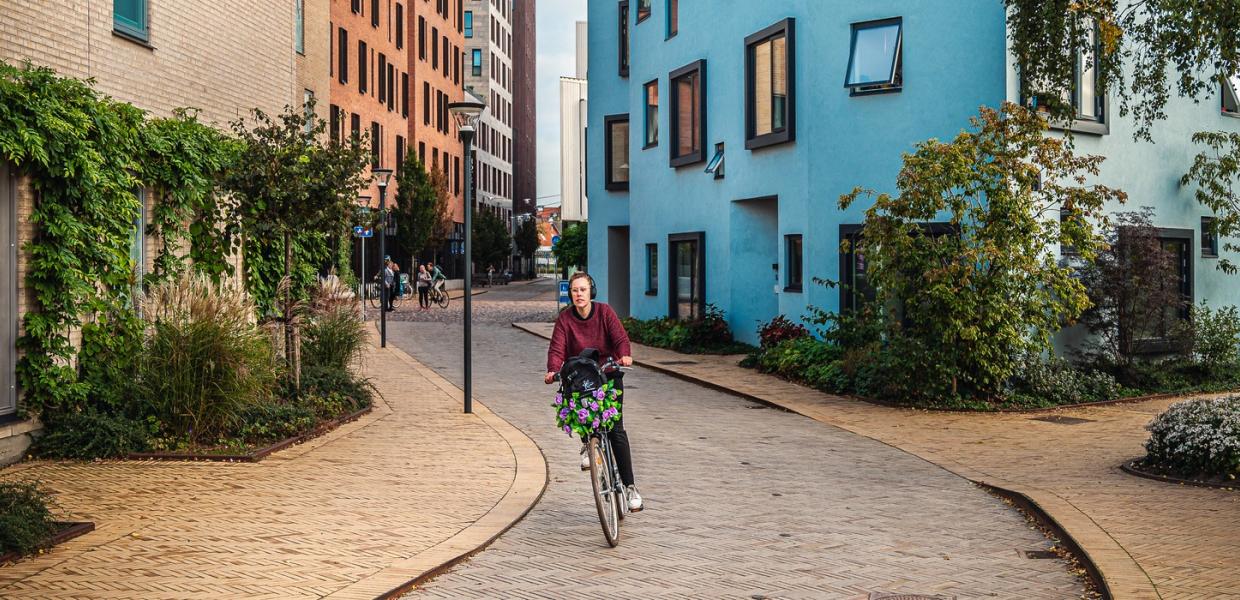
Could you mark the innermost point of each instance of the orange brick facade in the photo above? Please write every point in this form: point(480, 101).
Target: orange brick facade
point(369, 72)
point(435, 59)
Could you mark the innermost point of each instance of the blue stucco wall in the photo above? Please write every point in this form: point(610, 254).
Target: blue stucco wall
point(954, 60)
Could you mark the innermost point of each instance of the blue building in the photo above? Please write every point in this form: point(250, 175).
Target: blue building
point(721, 135)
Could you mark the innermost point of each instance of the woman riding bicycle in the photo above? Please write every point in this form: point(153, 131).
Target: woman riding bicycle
point(590, 324)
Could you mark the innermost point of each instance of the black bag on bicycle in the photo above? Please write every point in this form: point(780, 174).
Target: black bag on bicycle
point(582, 374)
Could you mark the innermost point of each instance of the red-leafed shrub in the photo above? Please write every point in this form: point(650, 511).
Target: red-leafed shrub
point(779, 329)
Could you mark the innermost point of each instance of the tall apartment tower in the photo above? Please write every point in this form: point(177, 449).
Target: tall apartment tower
point(574, 108)
point(524, 108)
point(437, 30)
point(489, 76)
point(369, 71)
point(158, 56)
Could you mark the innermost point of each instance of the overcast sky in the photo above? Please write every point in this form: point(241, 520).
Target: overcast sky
point(556, 30)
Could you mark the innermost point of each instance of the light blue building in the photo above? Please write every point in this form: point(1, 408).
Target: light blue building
point(721, 135)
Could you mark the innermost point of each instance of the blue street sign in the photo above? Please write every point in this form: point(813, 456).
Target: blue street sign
point(555, 239)
point(362, 232)
point(563, 292)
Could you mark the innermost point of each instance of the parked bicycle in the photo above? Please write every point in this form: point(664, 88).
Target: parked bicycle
point(611, 498)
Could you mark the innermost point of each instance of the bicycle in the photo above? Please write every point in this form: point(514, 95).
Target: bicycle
point(374, 293)
point(438, 296)
point(611, 496)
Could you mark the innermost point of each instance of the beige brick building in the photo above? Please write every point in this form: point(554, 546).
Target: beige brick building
point(222, 57)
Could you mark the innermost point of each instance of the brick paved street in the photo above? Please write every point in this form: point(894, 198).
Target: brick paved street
point(741, 501)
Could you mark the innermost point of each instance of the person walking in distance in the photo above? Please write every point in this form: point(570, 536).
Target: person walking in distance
point(389, 280)
point(424, 288)
point(590, 324)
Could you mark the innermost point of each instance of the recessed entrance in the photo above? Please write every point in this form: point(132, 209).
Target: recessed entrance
point(686, 275)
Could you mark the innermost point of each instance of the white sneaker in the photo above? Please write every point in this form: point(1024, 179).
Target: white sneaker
point(635, 499)
point(585, 459)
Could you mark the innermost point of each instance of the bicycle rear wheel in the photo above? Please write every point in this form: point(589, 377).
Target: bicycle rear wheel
point(604, 493)
point(372, 294)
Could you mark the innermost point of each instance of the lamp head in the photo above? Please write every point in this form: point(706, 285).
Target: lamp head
point(467, 112)
point(381, 176)
point(363, 200)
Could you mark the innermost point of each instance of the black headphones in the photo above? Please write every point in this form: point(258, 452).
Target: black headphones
point(593, 288)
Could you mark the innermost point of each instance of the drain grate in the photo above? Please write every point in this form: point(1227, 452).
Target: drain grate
point(678, 362)
point(899, 596)
point(756, 406)
point(1040, 554)
point(1062, 420)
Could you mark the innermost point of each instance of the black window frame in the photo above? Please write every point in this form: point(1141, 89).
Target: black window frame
point(469, 27)
point(896, 84)
point(1209, 238)
point(374, 13)
point(672, 292)
point(672, 8)
point(362, 67)
point(794, 264)
point(137, 32)
point(421, 37)
point(1168, 344)
point(786, 28)
point(376, 145)
point(333, 119)
point(647, 142)
point(342, 66)
point(676, 161)
point(1097, 125)
point(355, 127)
point(1229, 89)
point(847, 275)
point(624, 41)
point(475, 66)
point(609, 182)
point(404, 95)
point(649, 8)
point(400, 26)
point(652, 269)
point(382, 82)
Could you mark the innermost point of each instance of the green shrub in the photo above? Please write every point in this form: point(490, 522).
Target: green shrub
point(1212, 337)
point(1055, 381)
point(272, 421)
point(107, 361)
point(205, 360)
point(335, 385)
point(26, 523)
point(779, 329)
point(1197, 438)
point(91, 434)
point(707, 334)
point(333, 338)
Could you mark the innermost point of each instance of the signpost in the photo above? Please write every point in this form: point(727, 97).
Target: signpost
point(362, 233)
point(563, 298)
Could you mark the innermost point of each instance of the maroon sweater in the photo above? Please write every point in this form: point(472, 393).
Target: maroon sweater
point(602, 331)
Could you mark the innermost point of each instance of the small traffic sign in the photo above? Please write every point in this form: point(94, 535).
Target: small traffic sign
point(362, 232)
point(555, 240)
point(563, 299)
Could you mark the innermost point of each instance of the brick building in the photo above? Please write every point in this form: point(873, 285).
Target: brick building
point(224, 58)
point(524, 108)
point(437, 34)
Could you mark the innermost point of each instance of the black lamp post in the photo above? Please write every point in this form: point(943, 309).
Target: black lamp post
point(381, 179)
point(467, 113)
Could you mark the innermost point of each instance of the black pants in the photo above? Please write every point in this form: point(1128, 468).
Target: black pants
point(619, 438)
point(424, 296)
point(391, 291)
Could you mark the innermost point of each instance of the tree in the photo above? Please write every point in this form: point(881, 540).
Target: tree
point(1216, 172)
point(1190, 44)
point(422, 213)
point(491, 240)
point(572, 251)
point(962, 304)
point(290, 192)
point(526, 238)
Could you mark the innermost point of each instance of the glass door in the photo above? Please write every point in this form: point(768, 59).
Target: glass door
point(686, 279)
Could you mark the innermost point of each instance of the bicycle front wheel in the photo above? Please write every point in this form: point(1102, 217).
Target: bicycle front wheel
point(372, 294)
point(604, 493)
point(443, 299)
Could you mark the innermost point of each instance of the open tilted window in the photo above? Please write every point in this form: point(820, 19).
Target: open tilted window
point(874, 62)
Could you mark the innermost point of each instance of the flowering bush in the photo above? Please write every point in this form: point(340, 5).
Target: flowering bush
point(1197, 438)
point(584, 413)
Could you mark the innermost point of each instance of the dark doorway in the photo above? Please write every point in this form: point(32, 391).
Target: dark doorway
point(686, 275)
point(618, 269)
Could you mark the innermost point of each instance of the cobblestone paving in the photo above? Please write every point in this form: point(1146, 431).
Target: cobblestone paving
point(741, 502)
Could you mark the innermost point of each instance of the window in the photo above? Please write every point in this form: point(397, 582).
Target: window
point(686, 278)
point(422, 38)
point(357, 7)
point(1088, 105)
point(1231, 95)
point(299, 33)
point(469, 23)
point(792, 263)
point(652, 114)
point(422, 152)
point(855, 288)
point(447, 68)
point(1064, 217)
point(361, 67)
point(129, 19)
point(1154, 333)
point(624, 38)
point(617, 152)
point(334, 123)
point(643, 10)
point(456, 175)
point(769, 73)
point(476, 62)
point(426, 103)
point(400, 26)
point(688, 111)
point(434, 47)
point(383, 67)
point(404, 95)
point(307, 106)
point(137, 237)
point(343, 66)
point(355, 126)
point(874, 61)
point(673, 18)
point(376, 145)
point(1209, 238)
point(400, 154)
point(715, 165)
point(391, 94)
point(652, 269)
point(456, 65)
point(374, 13)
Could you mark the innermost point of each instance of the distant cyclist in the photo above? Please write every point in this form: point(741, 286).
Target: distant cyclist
point(590, 324)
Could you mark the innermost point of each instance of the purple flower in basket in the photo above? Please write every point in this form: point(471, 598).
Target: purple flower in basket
point(572, 404)
point(559, 399)
point(594, 406)
point(582, 415)
point(563, 412)
point(598, 394)
point(596, 423)
point(568, 430)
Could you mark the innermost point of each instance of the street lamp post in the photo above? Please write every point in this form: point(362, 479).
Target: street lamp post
point(381, 178)
point(467, 113)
